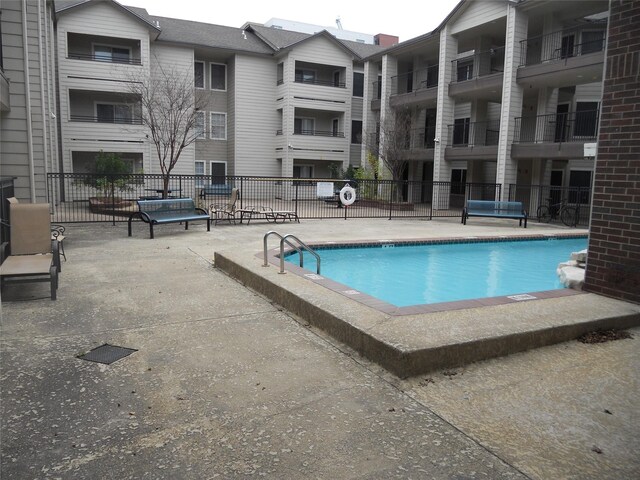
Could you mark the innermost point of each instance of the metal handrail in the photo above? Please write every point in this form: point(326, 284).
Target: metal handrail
point(303, 245)
point(264, 242)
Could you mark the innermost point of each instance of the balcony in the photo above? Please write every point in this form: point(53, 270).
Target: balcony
point(377, 99)
point(472, 140)
point(415, 87)
point(478, 75)
point(121, 120)
point(321, 75)
point(420, 144)
point(555, 136)
point(103, 49)
point(318, 133)
point(563, 58)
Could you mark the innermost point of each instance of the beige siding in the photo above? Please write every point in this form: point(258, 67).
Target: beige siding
point(478, 12)
point(20, 125)
point(256, 119)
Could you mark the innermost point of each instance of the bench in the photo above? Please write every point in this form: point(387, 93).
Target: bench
point(173, 210)
point(488, 208)
point(215, 190)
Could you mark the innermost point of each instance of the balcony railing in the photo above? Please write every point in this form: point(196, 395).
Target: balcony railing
point(324, 83)
point(421, 138)
point(413, 81)
point(319, 133)
point(478, 65)
point(568, 127)
point(474, 134)
point(571, 42)
point(94, 119)
point(106, 59)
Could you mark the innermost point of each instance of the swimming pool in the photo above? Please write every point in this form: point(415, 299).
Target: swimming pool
point(428, 273)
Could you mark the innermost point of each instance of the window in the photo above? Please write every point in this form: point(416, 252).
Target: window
point(304, 126)
point(114, 113)
point(198, 74)
point(280, 74)
point(336, 78)
point(200, 173)
point(218, 173)
point(105, 53)
point(567, 46)
point(461, 131)
point(356, 131)
point(218, 126)
point(305, 76)
point(465, 70)
point(586, 119)
point(218, 76)
point(200, 130)
point(592, 41)
point(458, 181)
point(580, 186)
point(302, 171)
point(358, 84)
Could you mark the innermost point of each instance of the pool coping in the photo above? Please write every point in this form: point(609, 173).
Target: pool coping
point(415, 344)
point(273, 257)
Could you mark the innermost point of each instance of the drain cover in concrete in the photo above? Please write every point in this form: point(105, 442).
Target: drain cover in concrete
point(107, 354)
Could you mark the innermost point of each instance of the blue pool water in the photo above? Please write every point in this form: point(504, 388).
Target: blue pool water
point(405, 275)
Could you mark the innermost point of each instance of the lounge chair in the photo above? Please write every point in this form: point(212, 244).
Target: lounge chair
point(34, 256)
point(57, 231)
point(225, 211)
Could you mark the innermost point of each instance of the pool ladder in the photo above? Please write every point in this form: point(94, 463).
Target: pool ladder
point(298, 248)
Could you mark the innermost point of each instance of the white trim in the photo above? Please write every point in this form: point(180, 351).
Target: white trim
point(204, 75)
point(211, 125)
point(211, 77)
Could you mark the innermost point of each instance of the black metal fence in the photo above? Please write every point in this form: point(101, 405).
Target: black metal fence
point(569, 127)
point(534, 196)
point(78, 197)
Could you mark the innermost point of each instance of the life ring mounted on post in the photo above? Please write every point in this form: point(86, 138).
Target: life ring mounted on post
point(347, 195)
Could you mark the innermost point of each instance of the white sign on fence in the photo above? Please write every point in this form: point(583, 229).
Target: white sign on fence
point(324, 189)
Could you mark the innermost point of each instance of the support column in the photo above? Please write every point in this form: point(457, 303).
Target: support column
point(444, 117)
point(368, 116)
point(512, 96)
point(389, 69)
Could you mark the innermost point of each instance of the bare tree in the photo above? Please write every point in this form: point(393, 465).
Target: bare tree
point(169, 109)
point(390, 143)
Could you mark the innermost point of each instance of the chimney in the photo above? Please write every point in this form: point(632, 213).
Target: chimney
point(385, 40)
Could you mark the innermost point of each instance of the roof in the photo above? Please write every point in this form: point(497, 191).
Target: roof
point(62, 6)
point(175, 30)
point(281, 39)
point(253, 38)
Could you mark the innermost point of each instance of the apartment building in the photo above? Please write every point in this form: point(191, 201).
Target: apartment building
point(274, 102)
point(504, 92)
point(28, 127)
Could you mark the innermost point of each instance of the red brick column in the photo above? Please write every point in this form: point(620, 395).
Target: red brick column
point(613, 266)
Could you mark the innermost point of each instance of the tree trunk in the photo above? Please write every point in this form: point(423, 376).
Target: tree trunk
point(165, 185)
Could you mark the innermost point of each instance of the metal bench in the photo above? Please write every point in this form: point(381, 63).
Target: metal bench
point(173, 210)
point(488, 208)
point(215, 190)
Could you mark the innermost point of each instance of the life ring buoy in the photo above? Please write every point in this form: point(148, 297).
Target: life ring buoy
point(347, 195)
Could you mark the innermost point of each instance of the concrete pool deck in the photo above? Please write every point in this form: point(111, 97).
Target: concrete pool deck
point(225, 383)
point(418, 340)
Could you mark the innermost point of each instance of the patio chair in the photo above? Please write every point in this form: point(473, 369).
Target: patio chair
point(34, 256)
point(225, 211)
point(57, 231)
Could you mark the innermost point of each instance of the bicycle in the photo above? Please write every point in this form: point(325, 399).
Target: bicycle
point(568, 215)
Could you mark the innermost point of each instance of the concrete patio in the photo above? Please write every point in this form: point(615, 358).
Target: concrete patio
point(225, 383)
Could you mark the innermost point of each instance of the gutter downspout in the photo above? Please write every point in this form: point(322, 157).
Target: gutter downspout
point(27, 89)
point(45, 120)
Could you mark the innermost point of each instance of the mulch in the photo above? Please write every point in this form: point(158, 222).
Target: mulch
point(604, 336)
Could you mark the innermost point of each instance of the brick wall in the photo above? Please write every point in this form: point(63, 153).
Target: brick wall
point(613, 267)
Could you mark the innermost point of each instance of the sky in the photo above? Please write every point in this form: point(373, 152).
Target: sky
point(407, 20)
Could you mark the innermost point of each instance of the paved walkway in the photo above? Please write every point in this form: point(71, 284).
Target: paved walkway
point(227, 385)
